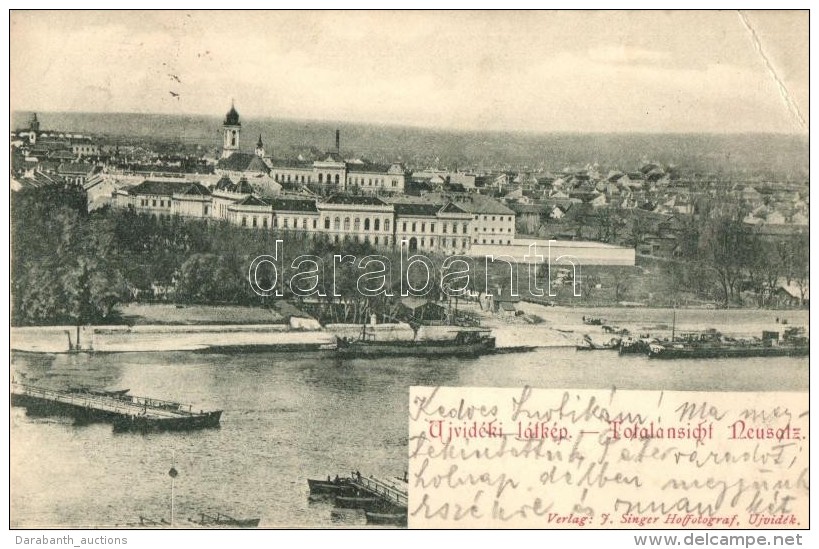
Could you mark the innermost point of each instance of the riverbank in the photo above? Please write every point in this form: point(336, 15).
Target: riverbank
point(214, 338)
point(537, 326)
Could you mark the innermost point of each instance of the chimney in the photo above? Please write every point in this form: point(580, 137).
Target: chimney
point(338, 141)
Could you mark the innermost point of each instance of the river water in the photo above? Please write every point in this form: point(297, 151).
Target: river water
point(286, 418)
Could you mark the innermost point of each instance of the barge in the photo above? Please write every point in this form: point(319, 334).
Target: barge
point(711, 344)
point(466, 343)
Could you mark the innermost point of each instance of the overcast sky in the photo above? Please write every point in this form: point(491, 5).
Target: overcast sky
point(532, 71)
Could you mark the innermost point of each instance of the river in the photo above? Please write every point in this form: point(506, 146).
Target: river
point(286, 418)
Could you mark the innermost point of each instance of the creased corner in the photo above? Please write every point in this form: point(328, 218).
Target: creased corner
point(790, 104)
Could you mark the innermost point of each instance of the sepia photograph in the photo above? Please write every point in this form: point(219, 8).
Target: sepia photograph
point(408, 269)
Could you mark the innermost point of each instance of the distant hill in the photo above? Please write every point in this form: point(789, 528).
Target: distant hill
point(777, 156)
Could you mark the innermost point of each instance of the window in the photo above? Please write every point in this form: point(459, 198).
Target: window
point(337, 224)
point(304, 224)
point(254, 220)
point(206, 210)
point(264, 222)
point(377, 224)
point(413, 226)
point(275, 221)
point(315, 223)
point(357, 225)
point(492, 241)
point(346, 223)
point(431, 242)
point(244, 221)
point(422, 242)
point(484, 241)
point(387, 227)
point(394, 183)
point(405, 226)
point(321, 178)
point(432, 228)
point(423, 227)
point(376, 241)
point(153, 203)
point(367, 224)
point(493, 218)
point(286, 223)
point(336, 179)
point(327, 223)
point(335, 239)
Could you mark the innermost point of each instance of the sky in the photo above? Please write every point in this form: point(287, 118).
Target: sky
point(598, 71)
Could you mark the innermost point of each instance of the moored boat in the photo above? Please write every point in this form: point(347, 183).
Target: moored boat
point(711, 344)
point(467, 342)
point(633, 345)
point(396, 519)
point(338, 486)
point(669, 351)
point(358, 502)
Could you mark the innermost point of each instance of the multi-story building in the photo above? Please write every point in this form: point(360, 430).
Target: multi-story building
point(330, 171)
point(84, 146)
point(492, 222)
point(432, 227)
point(252, 212)
point(156, 197)
point(438, 222)
point(295, 214)
point(376, 179)
point(195, 201)
point(454, 229)
point(357, 218)
point(225, 193)
point(293, 171)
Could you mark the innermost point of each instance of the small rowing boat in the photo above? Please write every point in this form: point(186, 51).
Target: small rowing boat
point(220, 519)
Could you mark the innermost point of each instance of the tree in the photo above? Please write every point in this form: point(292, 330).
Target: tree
point(610, 222)
point(638, 229)
point(729, 249)
point(64, 263)
point(207, 278)
point(621, 282)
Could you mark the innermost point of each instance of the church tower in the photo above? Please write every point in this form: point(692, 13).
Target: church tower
point(230, 131)
point(33, 128)
point(260, 147)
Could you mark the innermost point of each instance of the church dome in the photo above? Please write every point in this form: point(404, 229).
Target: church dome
point(232, 117)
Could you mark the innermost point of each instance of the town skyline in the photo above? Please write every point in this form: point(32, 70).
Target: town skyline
point(666, 72)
